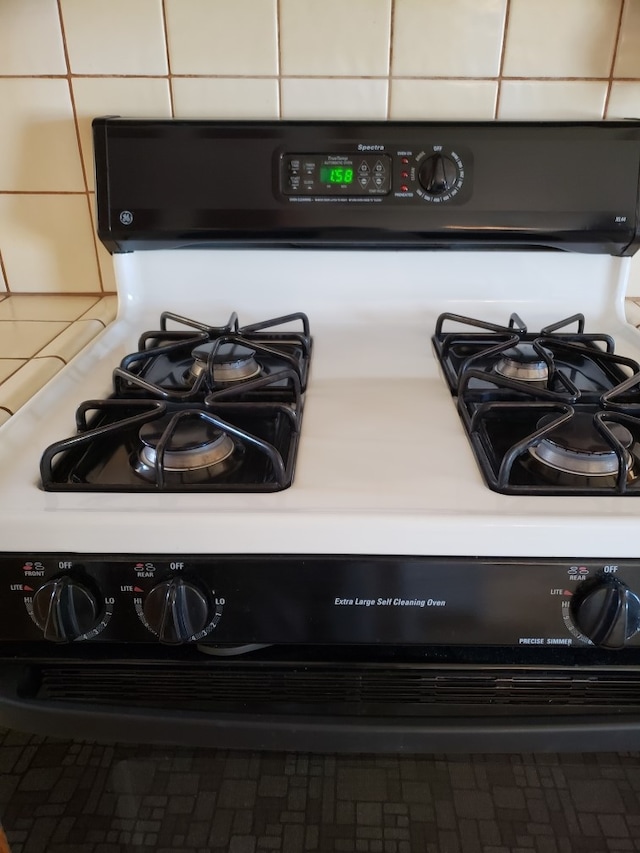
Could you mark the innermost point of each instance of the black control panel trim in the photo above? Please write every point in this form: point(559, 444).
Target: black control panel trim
point(184, 183)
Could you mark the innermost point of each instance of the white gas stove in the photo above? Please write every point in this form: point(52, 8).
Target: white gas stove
point(139, 570)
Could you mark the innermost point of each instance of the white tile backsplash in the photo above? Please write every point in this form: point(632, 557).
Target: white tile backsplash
point(628, 56)
point(228, 37)
point(38, 143)
point(117, 37)
point(443, 99)
point(457, 38)
point(561, 38)
point(47, 244)
point(31, 38)
point(64, 61)
point(225, 97)
point(340, 38)
point(338, 98)
point(625, 100)
point(552, 99)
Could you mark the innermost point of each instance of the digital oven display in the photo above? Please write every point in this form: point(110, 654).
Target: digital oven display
point(335, 174)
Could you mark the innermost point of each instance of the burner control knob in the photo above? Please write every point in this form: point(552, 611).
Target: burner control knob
point(65, 609)
point(176, 610)
point(607, 612)
point(437, 174)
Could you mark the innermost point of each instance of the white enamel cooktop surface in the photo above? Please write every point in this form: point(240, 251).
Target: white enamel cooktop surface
point(384, 466)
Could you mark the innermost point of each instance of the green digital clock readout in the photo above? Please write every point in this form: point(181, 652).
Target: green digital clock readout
point(336, 175)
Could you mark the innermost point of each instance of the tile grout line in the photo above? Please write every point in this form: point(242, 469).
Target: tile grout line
point(168, 57)
point(390, 77)
point(37, 352)
point(503, 50)
point(4, 273)
point(90, 308)
point(616, 44)
point(41, 322)
point(37, 357)
point(42, 192)
point(28, 361)
point(77, 130)
point(67, 77)
point(59, 294)
point(279, 55)
point(69, 325)
point(490, 77)
point(13, 372)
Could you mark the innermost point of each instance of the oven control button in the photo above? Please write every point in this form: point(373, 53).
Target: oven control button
point(65, 609)
point(607, 612)
point(438, 174)
point(176, 610)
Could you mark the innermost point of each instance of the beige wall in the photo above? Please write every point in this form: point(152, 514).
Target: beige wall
point(64, 61)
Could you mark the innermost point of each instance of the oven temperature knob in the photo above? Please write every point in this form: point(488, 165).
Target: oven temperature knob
point(607, 612)
point(65, 609)
point(437, 174)
point(176, 610)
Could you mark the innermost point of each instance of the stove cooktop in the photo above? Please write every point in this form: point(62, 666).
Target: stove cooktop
point(200, 408)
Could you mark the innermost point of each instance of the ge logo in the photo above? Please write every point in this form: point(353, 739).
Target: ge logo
point(126, 217)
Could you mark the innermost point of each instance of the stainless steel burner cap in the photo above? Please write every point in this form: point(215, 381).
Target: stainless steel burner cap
point(577, 447)
point(194, 445)
point(524, 363)
point(231, 362)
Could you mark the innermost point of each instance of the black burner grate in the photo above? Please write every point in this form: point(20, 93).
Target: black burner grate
point(162, 366)
point(206, 435)
point(587, 391)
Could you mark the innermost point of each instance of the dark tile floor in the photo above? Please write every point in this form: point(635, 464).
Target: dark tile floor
point(77, 797)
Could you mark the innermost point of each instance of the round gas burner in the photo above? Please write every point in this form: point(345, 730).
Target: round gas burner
point(523, 363)
point(577, 448)
point(231, 362)
point(196, 450)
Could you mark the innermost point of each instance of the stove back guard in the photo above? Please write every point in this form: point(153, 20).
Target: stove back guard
point(179, 183)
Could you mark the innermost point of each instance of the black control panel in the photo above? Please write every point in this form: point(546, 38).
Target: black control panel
point(173, 183)
point(446, 602)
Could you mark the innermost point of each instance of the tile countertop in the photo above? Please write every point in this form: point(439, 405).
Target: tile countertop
point(39, 334)
point(632, 308)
